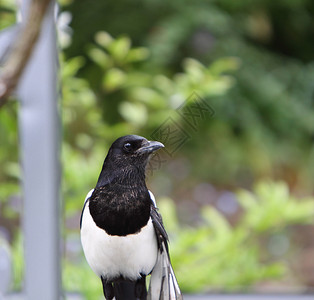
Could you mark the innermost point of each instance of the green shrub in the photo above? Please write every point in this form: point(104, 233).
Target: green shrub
point(217, 256)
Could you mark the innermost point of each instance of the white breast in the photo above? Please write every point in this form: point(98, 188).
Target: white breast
point(113, 256)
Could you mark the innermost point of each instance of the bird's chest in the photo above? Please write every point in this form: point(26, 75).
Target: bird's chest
point(120, 212)
point(112, 256)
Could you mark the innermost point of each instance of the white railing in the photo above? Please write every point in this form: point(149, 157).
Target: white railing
point(39, 132)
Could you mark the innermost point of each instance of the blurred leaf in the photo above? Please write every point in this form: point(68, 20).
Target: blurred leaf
point(103, 39)
point(119, 48)
point(133, 112)
point(137, 54)
point(225, 64)
point(114, 79)
point(100, 57)
point(71, 67)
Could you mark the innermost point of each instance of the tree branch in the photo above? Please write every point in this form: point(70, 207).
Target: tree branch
point(22, 49)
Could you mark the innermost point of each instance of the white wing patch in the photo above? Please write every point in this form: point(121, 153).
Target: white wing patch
point(88, 195)
point(152, 197)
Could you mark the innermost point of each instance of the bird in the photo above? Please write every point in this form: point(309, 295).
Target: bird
point(122, 232)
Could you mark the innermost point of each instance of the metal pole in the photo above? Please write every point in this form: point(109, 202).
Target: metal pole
point(39, 127)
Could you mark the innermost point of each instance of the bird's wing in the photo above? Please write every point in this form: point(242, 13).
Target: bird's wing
point(86, 200)
point(163, 283)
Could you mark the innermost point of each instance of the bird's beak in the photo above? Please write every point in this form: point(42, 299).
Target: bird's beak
point(150, 147)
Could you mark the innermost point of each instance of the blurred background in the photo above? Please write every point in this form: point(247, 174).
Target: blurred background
point(228, 86)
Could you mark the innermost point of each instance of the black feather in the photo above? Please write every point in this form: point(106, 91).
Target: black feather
point(81, 218)
point(120, 210)
point(161, 234)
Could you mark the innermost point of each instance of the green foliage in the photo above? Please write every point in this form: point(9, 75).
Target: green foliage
point(80, 278)
point(138, 100)
point(131, 80)
point(18, 262)
point(217, 256)
point(127, 96)
point(273, 207)
point(7, 13)
point(273, 90)
point(9, 171)
point(136, 94)
point(128, 92)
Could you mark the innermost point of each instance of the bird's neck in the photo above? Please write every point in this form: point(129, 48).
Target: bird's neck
point(126, 176)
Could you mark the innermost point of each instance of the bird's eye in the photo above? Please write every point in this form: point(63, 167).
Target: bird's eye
point(127, 146)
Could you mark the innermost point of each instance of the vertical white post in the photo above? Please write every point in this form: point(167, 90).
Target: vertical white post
point(39, 127)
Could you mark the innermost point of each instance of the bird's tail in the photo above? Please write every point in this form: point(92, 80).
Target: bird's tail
point(124, 290)
point(130, 290)
point(163, 283)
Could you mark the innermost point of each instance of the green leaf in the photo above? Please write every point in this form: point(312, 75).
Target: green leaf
point(137, 54)
point(135, 113)
point(100, 57)
point(120, 48)
point(114, 79)
point(225, 64)
point(103, 39)
point(71, 66)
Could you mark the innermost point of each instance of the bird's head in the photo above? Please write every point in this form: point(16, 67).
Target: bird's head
point(128, 153)
point(133, 149)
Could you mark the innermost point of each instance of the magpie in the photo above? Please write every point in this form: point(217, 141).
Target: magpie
point(122, 233)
